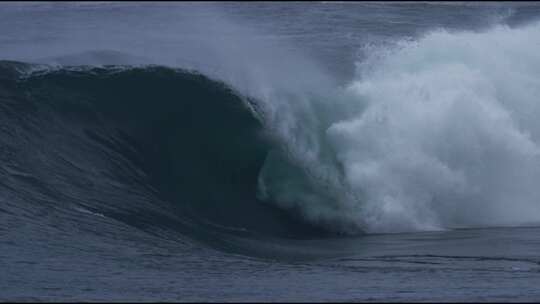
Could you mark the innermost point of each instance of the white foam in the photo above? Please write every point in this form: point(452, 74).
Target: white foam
point(449, 136)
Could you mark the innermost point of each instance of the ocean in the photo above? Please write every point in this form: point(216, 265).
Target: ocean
point(270, 151)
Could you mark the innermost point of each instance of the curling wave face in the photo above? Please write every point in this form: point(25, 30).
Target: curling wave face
point(152, 147)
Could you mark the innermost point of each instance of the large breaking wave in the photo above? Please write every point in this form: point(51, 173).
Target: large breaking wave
point(436, 133)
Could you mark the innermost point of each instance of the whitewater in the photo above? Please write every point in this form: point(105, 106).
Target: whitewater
point(441, 132)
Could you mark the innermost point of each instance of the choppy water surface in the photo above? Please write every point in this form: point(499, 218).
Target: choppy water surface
point(270, 151)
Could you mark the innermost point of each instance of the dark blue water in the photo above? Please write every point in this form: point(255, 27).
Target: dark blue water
point(269, 152)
